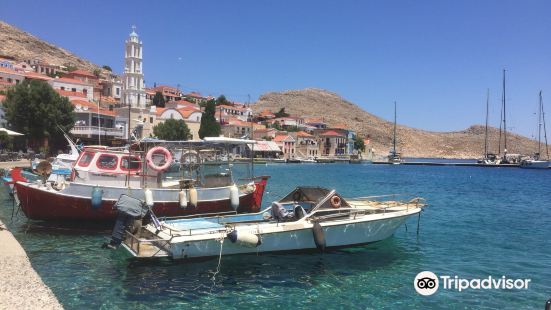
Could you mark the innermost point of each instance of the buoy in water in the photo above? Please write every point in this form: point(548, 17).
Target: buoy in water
point(97, 195)
point(148, 197)
point(193, 196)
point(319, 237)
point(234, 196)
point(182, 198)
point(245, 239)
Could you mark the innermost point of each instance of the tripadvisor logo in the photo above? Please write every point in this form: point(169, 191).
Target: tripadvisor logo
point(427, 283)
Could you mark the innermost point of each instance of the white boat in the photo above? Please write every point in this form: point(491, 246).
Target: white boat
point(536, 162)
point(308, 218)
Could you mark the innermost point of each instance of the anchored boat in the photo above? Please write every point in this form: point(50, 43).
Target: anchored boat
point(308, 218)
point(101, 175)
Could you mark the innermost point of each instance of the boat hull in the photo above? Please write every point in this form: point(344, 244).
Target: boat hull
point(336, 236)
point(41, 203)
point(535, 164)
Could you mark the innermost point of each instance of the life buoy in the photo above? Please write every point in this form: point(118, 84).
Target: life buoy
point(158, 150)
point(336, 202)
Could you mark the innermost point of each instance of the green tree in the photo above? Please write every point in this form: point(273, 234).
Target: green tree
point(281, 113)
point(172, 130)
point(6, 142)
point(36, 110)
point(97, 72)
point(222, 100)
point(209, 126)
point(359, 144)
point(106, 67)
point(159, 100)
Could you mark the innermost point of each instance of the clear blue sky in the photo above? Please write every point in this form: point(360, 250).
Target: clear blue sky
point(435, 58)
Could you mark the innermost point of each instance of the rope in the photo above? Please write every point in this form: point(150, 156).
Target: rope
point(219, 263)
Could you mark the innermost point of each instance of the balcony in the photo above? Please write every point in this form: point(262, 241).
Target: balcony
point(95, 131)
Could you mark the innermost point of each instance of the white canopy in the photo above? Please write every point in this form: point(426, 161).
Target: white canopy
point(10, 132)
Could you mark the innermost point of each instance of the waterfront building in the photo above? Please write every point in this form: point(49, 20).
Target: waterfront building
point(190, 115)
point(306, 144)
point(265, 134)
point(331, 142)
point(287, 144)
point(95, 124)
point(73, 85)
point(133, 92)
point(236, 128)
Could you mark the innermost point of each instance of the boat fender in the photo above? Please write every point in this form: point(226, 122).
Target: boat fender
point(193, 196)
point(182, 198)
point(234, 196)
point(319, 237)
point(157, 150)
point(336, 202)
point(244, 239)
point(148, 197)
point(97, 196)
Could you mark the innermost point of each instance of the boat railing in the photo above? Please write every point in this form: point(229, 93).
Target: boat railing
point(147, 247)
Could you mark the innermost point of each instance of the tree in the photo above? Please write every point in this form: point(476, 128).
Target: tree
point(159, 100)
point(209, 126)
point(172, 130)
point(6, 142)
point(359, 144)
point(281, 113)
point(106, 67)
point(222, 100)
point(97, 72)
point(36, 110)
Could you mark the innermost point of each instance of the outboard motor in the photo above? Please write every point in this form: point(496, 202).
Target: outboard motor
point(129, 209)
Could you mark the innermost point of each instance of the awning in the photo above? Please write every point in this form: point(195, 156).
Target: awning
point(265, 146)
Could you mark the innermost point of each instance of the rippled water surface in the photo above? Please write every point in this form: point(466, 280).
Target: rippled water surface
point(480, 222)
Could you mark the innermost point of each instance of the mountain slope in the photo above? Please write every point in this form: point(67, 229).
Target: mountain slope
point(23, 45)
point(412, 142)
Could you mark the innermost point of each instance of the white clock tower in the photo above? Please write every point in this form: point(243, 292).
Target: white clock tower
point(133, 93)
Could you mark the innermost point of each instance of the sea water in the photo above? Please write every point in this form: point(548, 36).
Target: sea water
point(480, 223)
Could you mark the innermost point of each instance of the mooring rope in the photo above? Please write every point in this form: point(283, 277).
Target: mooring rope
point(219, 263)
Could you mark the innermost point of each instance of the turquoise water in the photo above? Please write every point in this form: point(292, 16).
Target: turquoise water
point(480, 222)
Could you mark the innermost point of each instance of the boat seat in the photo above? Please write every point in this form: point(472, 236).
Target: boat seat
point(299, 212)
point(280, 214)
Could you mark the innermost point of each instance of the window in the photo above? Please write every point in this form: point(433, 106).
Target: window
point(151, 120)
point(135, 163)
point(85, 159)
point(74, 90)
point(62, 88)
point(107, 162)
point(118, 90)
point(9, 80)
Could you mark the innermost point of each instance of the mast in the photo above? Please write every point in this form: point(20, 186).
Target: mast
point(504, 119)
point(539, 127)
point(544, 129)
point(486, 132)
point(394, 140)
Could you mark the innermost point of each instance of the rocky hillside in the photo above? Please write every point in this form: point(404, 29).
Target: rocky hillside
point(412, 142)
point(23, 45)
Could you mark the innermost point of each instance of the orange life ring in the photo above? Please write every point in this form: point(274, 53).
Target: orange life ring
point(336, 202)
point(158, 150)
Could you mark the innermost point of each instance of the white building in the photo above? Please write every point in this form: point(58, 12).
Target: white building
point(133, 92)
point(74, 86)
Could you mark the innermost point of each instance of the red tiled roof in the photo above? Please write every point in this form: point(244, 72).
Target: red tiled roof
point(332, 133)
point(36, 76)
point(304, 134)
point(10, 71)
point(282, 138)
point(92, 107)
point(67, 93)
point(71, 81)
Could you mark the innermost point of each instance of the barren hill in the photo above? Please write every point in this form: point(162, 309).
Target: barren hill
point(22, 46)
point(411, 142)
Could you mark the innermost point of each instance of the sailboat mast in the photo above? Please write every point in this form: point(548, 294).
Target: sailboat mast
point(394, 140)
point(486, 131)
point(504, 118)
point(539, 127)
point(544, 129)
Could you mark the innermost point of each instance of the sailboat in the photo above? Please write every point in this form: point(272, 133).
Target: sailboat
point(393, 156)
point(536, 162)
point(489, 158)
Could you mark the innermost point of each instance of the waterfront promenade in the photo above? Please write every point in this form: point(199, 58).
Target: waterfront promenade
point(21, 287)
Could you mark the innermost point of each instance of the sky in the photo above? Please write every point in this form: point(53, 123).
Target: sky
point(435, 58)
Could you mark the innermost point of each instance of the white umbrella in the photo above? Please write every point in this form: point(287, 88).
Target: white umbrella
point(10, 132)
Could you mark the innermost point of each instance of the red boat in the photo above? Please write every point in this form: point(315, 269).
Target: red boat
point(101, 176)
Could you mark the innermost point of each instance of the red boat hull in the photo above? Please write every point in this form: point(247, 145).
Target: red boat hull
point(45, 205)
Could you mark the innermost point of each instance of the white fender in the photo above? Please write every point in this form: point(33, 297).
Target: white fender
point(148, 197)
point(193, 196)
point(182, 198)
point(234, 196)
